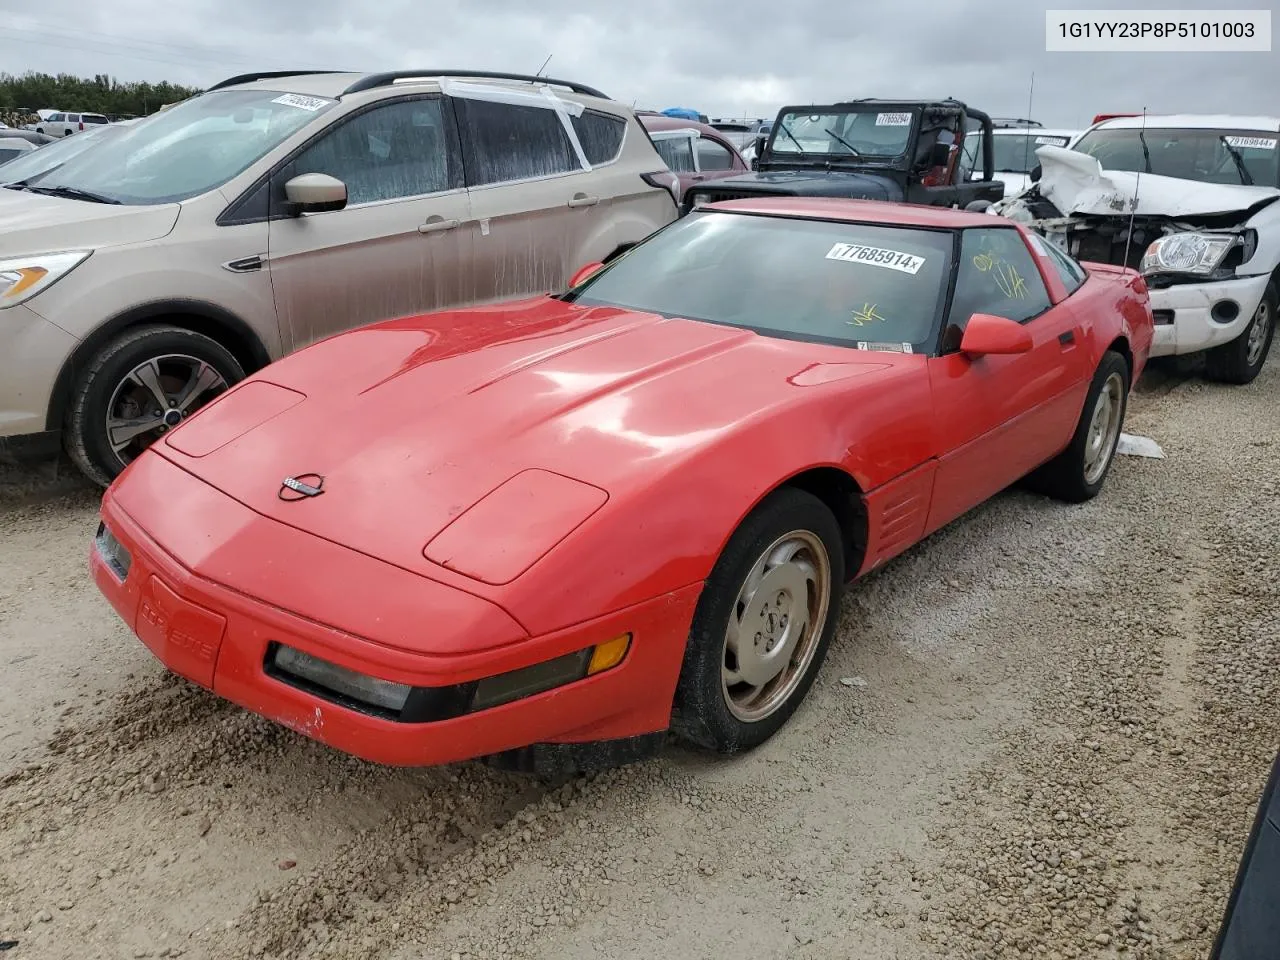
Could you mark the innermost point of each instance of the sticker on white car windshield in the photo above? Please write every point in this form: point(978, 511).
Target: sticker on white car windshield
point(876, 257)
point(301, 102)
point(893, 119)
point(1051, 141)
point(1258, 143)
point(885, 347)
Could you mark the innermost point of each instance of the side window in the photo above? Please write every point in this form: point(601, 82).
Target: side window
point(600, 135)
point(1070, 272)
point(677, 152)
point(393, 151)
point(73, 118)
point(503, 142)
point(997, 275)
point(713, 156)
point(971, 153)
point(56, 118)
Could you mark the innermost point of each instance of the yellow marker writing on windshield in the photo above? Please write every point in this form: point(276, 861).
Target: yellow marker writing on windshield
point(866, 314)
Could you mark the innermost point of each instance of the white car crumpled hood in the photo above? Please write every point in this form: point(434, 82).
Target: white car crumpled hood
point(1076, 183)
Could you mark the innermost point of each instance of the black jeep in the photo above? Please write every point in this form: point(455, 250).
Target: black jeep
point(935, 152)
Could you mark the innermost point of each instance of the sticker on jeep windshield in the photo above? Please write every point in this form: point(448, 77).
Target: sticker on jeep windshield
point(876, 257)
point(301, 102)
point(893, 119)
point(1257, 143)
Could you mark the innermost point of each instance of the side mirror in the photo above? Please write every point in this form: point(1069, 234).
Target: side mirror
point(987, 333)
point(1036, 173)
point(1251, 925)
point(584, 273)
point(315, 193)
point(939, 154)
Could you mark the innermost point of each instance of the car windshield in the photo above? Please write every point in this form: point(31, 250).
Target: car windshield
point(878, 134)
point(1016, 152)
point(1209, 156)
point(8, 153)
point(36, 163)
point(855, 284)
point(188, 149)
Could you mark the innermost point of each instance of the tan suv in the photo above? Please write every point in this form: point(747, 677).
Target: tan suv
point(143, 276)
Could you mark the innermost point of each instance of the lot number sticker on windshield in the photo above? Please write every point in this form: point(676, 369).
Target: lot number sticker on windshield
point(893, 119)
point(303, 103)
point(1052, 141)
point(1258, 143)
point(876, 257)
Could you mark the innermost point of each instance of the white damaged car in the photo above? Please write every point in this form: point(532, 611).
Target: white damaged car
point(1190, 200)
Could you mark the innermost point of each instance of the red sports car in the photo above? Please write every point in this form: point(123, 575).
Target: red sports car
point(549, 531)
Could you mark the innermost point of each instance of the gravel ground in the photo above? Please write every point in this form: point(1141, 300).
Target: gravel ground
point(1053, 726)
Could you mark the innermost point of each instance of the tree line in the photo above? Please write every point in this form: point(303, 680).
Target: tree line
point(100, 94)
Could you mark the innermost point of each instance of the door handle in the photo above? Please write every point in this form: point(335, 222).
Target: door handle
point(582, 200)
point(698, 177)
point(438, 225)
point(1067, 338)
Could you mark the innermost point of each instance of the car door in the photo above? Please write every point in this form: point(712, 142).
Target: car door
point(999, 417)
point(402, 244)
point(532, 193)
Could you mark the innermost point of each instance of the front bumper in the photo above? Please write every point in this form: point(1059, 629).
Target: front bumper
point(219, 637)
point(1184, 313)
point(32, 351)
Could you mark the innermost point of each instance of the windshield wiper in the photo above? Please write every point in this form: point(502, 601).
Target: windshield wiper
point(852, 149)
point(1245, 177)
point(1146, 154)
point(72, 193)
point(784, 129)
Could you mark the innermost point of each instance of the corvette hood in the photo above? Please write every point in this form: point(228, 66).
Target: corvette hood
point(405, 426)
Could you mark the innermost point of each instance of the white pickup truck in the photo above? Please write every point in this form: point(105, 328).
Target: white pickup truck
point(1191, 201)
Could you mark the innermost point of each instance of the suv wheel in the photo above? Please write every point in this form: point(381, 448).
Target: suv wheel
point(137, 388)
point(1241, 360)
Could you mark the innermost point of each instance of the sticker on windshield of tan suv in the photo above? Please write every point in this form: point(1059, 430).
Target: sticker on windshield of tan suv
point(1258, 143)
point(893, 119)
point(301, 102)
point(876, 257)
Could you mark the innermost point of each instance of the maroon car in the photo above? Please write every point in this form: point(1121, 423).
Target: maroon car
point(694, 151)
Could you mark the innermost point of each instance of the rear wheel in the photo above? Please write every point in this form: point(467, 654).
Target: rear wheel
point(137, 388)
point(762, 625)
point(1241, 360)
point(1077, 474)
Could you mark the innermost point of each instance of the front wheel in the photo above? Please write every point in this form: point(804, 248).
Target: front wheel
point(137, 388)
point(1077, 474)
point(1241, 360)
point(762, 625)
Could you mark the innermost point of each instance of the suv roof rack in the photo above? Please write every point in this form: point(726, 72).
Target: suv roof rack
point(268, 75)
point(386, 79)
point(1007, 122)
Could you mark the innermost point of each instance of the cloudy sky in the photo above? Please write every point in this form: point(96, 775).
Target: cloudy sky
point(745, 57)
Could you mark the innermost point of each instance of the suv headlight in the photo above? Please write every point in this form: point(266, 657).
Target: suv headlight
point(1196, 253)
point(21, 278)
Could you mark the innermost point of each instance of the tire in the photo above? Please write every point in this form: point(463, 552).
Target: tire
point(1241, 360)
point(105, 389)
point(1077, 474)
point(711, 712)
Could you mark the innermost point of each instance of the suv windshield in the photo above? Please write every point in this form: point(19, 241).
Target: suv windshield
point(853, 284)
point(187, 150)
point(1016, 152)
point(28, 167)
point(877, 134)
point(1209, 156)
